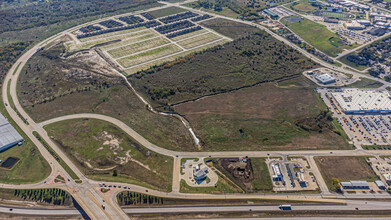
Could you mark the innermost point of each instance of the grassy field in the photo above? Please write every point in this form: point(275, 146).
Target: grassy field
point(229, 28)
point(127, 41)
point(149, 55)
point(317, 35)
point(166, 11)
point(122, 38)
point(224, 12)
point(102, 94)
point(100, 148)
point(181, 37)
point(170, 59)
point(223, 187)
point(262, 181)
point(243, 62)
point(344, 169)
point(59, 160)
point(302, 6)
point(136, 47)
point(366, 83)
point(264, 117)
point(31, 168)
point(198, 40)
point(116, 33)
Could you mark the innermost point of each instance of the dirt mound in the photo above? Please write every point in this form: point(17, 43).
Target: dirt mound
point(240, 171)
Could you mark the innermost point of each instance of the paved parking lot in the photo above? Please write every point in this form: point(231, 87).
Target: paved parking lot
point(361, 129)
point(295, 175)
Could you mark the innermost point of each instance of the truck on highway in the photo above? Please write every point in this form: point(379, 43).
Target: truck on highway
point(285, 207)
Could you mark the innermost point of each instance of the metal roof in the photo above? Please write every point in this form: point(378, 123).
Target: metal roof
point(201, 172)
point(325, 78)
point(362, 100)
point(380, 183)
point(8, 134)
point(354, 183)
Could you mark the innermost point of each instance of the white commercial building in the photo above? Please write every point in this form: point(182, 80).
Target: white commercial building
point(357, 101)
point(325, 78)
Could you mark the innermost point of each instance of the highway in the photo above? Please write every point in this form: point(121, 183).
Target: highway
point(87, 193)
point(351, 205)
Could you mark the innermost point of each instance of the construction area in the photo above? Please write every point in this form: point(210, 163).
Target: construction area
point(137, 42)
point(291, 175)
point(327, 78)
point(361, 113)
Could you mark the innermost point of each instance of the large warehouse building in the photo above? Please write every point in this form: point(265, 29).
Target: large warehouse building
point(9, 137)
point(357, 101)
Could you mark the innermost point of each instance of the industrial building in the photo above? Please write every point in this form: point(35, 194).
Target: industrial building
point(9, 137)
point(380, 184)
point(325, 78)
point(355, 185)
point(270, 13)
point(358, 101)
point(277, 176)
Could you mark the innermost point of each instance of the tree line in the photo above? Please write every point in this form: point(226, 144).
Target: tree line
point(134, 198)
point(51, 196)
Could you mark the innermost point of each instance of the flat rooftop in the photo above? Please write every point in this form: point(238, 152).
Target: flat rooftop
point(363, 101)
point(8, 134)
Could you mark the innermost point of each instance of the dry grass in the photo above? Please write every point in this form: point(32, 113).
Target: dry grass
point(260, 118)
point(149, 55)
point(345, 169)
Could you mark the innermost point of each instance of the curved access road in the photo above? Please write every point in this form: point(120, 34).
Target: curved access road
point(87, 193)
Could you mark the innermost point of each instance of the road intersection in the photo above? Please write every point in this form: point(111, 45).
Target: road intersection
point(87, 193)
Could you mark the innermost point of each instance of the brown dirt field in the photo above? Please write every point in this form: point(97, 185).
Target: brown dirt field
point(345, 169)
point(241, 172)
point(262, 117)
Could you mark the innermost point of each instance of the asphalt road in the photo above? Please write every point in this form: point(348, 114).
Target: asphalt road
point(351, 205)
point(87, 193)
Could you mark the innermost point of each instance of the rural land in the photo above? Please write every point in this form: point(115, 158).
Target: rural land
point(195, 109)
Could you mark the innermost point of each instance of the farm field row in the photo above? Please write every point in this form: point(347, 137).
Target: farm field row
point(135, 69)
point(139, 46)
point(149, 55)
point(198, 40)
point(122, 38)
point(195, 33)
point(111, 34)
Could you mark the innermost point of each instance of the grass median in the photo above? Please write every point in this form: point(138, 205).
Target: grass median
point(59, 160)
